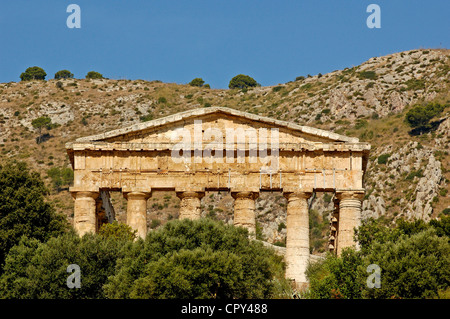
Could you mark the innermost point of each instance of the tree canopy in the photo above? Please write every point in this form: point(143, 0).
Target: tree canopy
point(420, 115)
point(182, 259)
point(33, 73)
point(63, 74)
point(94, 75)
point(23, 209)
point(414, 258)
point(197, 82)
point(40, 123)
point(242, 81)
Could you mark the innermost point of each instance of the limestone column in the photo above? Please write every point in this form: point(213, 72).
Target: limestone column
point(190, 204)
point(349, 218)
point(137, 211)
point(244, 210)
point(85, 219)
point(297, 237)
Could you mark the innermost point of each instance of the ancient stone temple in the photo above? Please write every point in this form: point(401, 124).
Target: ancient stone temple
point(221, 149)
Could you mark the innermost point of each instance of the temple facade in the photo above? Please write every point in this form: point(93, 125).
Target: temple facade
point(221, 149)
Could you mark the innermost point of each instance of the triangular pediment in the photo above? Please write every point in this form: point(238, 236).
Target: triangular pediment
point(218, 118)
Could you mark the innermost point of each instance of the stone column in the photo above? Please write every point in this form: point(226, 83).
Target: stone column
point(137, 211)
point(84, 215)
point(297, 237)
point(190, 204)
point(244, 210)
point(349, 218)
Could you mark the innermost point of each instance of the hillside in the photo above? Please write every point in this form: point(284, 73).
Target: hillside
point(368, 101)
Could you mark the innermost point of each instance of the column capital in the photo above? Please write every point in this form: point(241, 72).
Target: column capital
point(137, 195)
point(84, 193)
point(245, 194)
point(297, 194)
point(342, 194)
point(190, 194)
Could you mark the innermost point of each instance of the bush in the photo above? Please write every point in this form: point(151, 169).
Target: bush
point(196, 259)
point(420, 115)
point(39, 270)
point(367, 75)
point(242, 81)
point(197, 82)
point(414, 258)
point(63, 74)
point(33, 73)
point(415, 266)
point(94, 75)
point(117, 231)
point(383, 158)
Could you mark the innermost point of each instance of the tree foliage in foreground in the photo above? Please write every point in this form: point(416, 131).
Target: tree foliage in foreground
point(414, 258)
point(39, 270)
point(183, 259)
point(197, 259)
point(23, 208)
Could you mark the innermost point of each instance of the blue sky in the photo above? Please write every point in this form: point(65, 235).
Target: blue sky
point(178, 40)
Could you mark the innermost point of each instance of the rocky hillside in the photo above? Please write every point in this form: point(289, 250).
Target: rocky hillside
point(407, 175)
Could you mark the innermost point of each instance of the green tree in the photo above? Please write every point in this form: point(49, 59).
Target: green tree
point(63, 74)
point(336, 277)
point(94, 75)
point(196, 259)
point(39, 270)
point(420, 115)
point(117, 231)
point(33, 73)
point(40, 123)
point(242, 81)
point(23, 208)
point(416, 266)
point(197, 82)
point(414, 258)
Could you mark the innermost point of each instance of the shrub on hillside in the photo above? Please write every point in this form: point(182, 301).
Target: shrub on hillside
point(242, 81)
point(197, 82)
point(63, 74)
point(33, 73)
point(94, 75)
point(420, 115)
